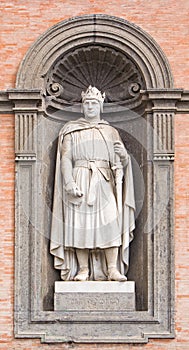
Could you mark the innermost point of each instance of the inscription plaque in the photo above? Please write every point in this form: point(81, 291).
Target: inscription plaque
point(94, 296)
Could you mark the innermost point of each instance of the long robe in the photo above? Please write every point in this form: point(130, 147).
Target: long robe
point(86, 156)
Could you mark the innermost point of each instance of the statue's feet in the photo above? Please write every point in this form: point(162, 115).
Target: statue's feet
point(115, 275)
point(83, 275)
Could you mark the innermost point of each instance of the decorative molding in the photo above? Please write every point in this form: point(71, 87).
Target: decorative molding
point(163, 145)
point(6, 106)
point(25, 105)
point(175, 100)
point(166, 100)
point(25, 141)
point(13, 100)
point(163, 157)
point(104, 67)
point(162, 104)
point(25, 136)
point(25, 100)
point(100, 30)
point(25, 158)
point(182, 106)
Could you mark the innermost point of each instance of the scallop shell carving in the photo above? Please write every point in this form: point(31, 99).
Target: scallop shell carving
point(110, 71)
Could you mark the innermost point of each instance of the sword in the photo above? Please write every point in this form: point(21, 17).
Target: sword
point(118, 181)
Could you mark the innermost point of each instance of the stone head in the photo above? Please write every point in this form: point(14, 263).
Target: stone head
point(92, 103)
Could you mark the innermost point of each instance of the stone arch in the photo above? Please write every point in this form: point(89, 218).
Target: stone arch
point(100, 30)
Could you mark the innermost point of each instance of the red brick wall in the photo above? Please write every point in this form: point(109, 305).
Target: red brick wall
point(22, 21)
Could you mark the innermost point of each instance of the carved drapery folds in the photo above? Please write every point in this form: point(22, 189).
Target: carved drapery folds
point(121, 59)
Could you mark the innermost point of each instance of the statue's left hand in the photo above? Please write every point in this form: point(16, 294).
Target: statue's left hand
point(120, 150)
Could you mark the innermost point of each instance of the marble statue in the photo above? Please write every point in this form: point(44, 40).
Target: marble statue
point(93, 206)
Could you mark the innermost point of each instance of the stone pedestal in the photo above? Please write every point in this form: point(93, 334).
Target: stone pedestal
point(94, 296)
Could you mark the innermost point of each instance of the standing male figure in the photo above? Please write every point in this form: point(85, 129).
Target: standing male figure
point(93, 211)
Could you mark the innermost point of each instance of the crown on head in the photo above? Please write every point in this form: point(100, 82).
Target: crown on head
point(93, 93)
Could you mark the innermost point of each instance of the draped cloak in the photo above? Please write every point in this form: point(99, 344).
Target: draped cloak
point(94, 222)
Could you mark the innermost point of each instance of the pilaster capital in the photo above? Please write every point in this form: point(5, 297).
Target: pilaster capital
point(166, 100)
point(25, 100)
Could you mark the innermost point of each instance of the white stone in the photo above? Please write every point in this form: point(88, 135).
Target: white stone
point(95, 287)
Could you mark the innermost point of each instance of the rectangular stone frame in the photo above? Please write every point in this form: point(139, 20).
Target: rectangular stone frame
point(31, 321)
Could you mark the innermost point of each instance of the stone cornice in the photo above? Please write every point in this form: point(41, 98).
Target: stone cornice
point(19, 100)
point(175, 100)
point(172, 100)
point(6, 106)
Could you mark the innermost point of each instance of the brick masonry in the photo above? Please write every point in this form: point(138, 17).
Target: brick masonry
point(22, 21)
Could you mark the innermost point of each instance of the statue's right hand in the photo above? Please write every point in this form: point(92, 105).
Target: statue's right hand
point(73, 190)
point(77, 192)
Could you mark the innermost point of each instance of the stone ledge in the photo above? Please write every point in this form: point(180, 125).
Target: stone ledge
point(94, 296)
point(95, 287)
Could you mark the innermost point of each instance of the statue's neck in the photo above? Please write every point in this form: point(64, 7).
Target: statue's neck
point(93, 120)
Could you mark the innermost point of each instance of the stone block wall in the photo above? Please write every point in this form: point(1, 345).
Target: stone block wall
point(167, 21)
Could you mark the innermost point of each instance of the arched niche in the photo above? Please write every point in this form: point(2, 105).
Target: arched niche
point(53, 65)
point(99, 30)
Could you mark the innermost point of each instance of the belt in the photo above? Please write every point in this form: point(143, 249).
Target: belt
point(91, 163)
point(95, 166)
